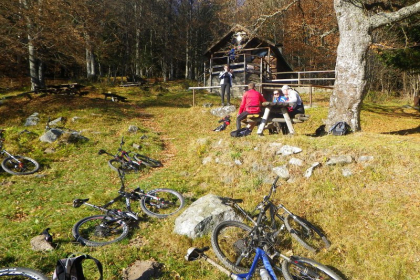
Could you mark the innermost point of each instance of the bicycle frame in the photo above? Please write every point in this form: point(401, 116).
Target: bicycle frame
point(262, 208)
point(121, 155)
point(3, 151)
point(259, 255)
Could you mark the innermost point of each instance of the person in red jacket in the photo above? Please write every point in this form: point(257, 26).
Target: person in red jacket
point(251, 104)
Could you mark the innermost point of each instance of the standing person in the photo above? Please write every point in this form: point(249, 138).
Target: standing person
point(251, 103)
point(293, 96)
point(226, 77)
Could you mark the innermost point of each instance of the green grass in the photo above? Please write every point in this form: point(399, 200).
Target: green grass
point(371, 217)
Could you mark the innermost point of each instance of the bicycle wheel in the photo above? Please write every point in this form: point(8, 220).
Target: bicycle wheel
point(161, 203)
point(18, 273)
point(124, 166)
point(20, 165)
point(99, 230)
point(307, 269)
point(147, 161)
point(308, 235)
point(230, 241)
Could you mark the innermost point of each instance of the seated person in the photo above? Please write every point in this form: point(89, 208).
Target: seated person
point(293, 96)
point(251, 103)
point(278, 98)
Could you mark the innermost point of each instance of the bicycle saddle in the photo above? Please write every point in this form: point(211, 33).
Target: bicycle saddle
point(79, 202)
point(228, 200)
point(194, 253)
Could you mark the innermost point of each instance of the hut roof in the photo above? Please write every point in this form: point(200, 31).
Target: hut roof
point(253, 41)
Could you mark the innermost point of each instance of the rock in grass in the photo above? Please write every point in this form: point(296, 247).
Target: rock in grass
point(32, 120)
point(340, 160)
point(309, 171)
point(203, 215)
point(142, 270)
point(282, 171)
point(39, 243)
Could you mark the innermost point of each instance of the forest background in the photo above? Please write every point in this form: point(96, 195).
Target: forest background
point(166, 39)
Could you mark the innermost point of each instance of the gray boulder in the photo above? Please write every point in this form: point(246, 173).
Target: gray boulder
point(32, 120)
point(39, 243)
point(282, 171)
point(51, 135)
point(142, 270)
point(340, 160)
point(223, 111)
point(287, 150)
point(201, 217)
point(310, 170)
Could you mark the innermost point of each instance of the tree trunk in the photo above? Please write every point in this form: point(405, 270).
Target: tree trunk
point(356, 24)
point(33, 68)
point(350, 83)
point(90, 64)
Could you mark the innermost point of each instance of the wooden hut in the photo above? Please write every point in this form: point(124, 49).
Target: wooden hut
point(252, 59)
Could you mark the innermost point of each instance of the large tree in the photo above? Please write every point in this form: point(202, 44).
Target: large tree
point(357, 19)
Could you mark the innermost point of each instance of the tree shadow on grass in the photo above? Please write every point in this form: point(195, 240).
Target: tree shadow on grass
point(392, 111)
point(405, 131)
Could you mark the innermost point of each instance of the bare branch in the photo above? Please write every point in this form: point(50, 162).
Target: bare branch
point(382, 19)
point(263, 18)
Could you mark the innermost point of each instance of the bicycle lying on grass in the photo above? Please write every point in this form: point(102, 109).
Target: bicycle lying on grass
point(292, 268)
point(228, 236)
point(17, 273)
point(16, 165)
point(122, 160)
point(66, 269)
point(113, 226)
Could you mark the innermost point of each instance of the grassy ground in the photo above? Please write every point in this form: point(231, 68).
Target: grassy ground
point(372, 217)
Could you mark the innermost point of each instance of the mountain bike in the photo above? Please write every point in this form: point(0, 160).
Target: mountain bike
point(113, 226)
point(292, 268)
point(16, 165)
point(17, 273)
point(227, 235)
point(122, 160)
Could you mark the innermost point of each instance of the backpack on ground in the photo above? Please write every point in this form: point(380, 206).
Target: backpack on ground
point(241, 132)
point(71, 268)
point(226, 122)
point(340, 128)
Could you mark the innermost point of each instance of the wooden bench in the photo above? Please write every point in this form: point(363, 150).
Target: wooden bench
point(284, 123)
point(114, 97)
point(251, 120)
point(68, 89)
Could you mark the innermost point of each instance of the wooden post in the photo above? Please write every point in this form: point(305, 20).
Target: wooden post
point(288, 122)
point(204, 74)
point(263, 121)
point(211, 72)
point(193, 97)
point(245, 69)
point(298, 78)
point(310, 96)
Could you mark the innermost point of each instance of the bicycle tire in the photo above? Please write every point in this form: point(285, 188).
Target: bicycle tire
point(306, 269)
point(147, 161)
point(229, 240)
point(17, 273)
point(116, 164)
point(96, 235)
point(168, 203)
point(25, 167)
point(308, 235)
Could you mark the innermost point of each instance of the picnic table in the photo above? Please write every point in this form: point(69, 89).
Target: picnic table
point(67, 89)
point(276, 116)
